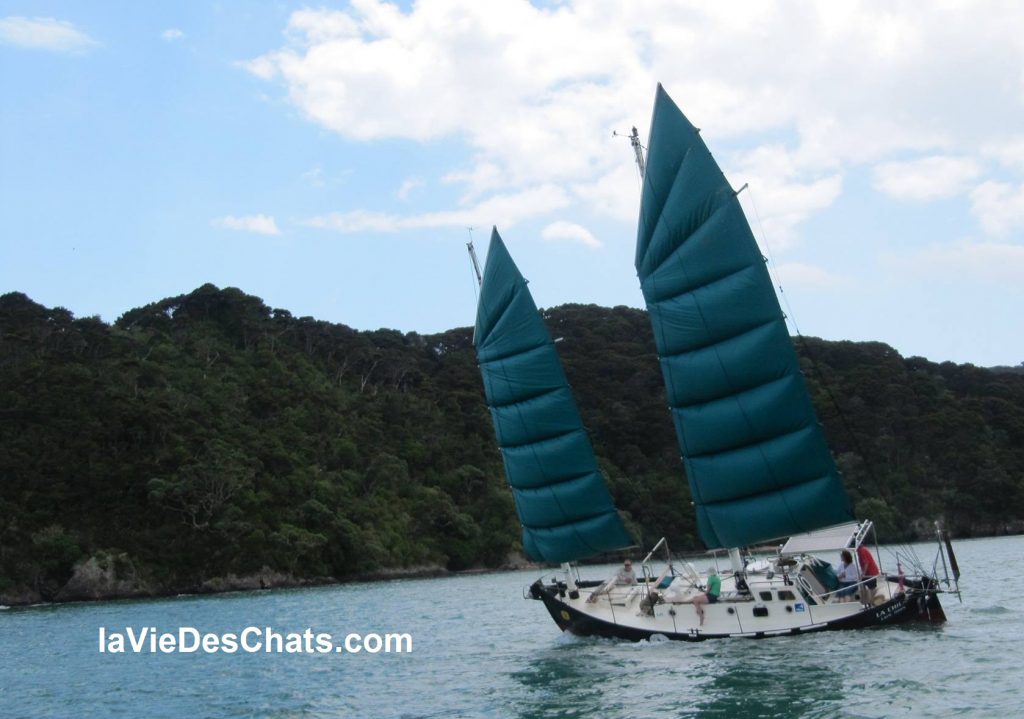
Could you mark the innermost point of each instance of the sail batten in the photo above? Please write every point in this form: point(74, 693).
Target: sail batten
point(780, 490)
point(498, 405)
point(703, 285)
point(541, 440)
point(718, 342)
point(559, 491)
point(755, 457)
point(488, 360)
point(726, 451)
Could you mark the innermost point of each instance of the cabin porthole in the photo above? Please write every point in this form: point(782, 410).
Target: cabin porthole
point(731, 610)
point(789, 608)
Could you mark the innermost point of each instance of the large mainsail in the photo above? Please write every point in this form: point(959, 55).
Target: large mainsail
point(560, 494)
point(755, 457)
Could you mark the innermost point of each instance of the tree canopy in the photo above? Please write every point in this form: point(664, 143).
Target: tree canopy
point(209, 434)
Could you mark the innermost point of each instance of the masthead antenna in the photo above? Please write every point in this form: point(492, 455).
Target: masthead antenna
point(638, 150)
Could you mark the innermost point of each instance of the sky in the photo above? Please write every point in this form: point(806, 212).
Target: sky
point(331, 159)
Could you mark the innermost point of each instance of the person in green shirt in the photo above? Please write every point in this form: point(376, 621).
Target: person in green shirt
point(710, 596)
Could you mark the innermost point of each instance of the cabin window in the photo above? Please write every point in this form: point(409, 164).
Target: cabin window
point(786, 595)
point(766, 596)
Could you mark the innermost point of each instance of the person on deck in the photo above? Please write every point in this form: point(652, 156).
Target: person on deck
point(848, 577)
point(710, 596)
point(626, 576)
point(869, 571)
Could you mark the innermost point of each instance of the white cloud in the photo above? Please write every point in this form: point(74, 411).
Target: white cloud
point(563, 231)
point(780, 193)
point(408, 185)
point(535, 92)
point(317, 177)
point(501, 210)
point(1008, 152)
point(999, 207)
point(45, 33)
point(987, 262)
point(172, 34)
point(314, 176)
point(798, 274)
point(615, 193)
point(499, 76)
point(262, 67)
point(926, 178)
point(259, 224)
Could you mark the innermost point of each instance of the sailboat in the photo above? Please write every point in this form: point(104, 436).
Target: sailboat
point(759, 470)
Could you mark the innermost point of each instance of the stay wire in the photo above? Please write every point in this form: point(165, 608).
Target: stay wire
point(809, 350)
point(911, 555)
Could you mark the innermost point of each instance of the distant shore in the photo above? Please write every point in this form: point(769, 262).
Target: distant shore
point(92, 582)
point(106, 577)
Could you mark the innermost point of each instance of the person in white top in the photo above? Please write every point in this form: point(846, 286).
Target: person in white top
point(626, 575)
point(848, 577)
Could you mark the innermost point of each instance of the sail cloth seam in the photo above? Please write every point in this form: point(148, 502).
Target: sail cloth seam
point(755, 443)
point(513, 330)
point(570, 522)
point(779, 491)
point(524, 400)
point(672, 255)
point(693, 290)
point(541, 440)
point(730, 338)
point(700, 311)
point(647, 179)
point(651, 307)
point(516, 353)
point(733, 395)
point(557, 482)
point(722, 365)
point(746, 418)
point(518, 410)
point(502, 371)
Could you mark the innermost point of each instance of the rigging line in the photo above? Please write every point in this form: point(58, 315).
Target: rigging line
point(669, 384)
point(790, 315)
point(477, 280)
point(811, 355)
point(566, 516)
point(476, 285)
point(779, 487)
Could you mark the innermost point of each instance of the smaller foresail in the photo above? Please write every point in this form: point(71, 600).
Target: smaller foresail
point(560, 493)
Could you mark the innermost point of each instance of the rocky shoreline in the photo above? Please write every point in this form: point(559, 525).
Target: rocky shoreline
point(110, 576)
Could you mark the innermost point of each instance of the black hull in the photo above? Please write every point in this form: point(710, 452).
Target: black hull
point(913, 606)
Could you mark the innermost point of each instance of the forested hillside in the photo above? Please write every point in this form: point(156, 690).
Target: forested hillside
point(208, 435)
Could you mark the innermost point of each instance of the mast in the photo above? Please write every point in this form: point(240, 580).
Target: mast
point(473, 257)
point(753, 450)
point(638, 150)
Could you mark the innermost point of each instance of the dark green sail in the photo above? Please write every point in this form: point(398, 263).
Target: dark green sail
point(560, 494)
point(755, 457)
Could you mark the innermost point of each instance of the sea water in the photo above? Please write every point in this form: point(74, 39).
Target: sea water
point(478, 649)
